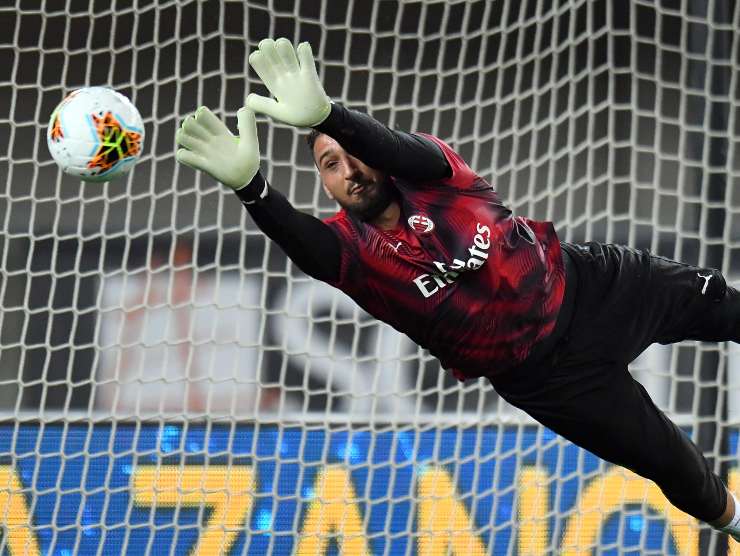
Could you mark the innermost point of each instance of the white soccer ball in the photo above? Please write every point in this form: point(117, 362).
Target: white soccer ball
point(95, 134)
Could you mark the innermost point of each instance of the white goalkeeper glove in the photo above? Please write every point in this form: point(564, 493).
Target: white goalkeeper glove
point(209, 146)
point(290, 76)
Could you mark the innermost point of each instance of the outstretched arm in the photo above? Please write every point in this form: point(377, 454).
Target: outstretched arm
point(300, 100)
point(404, 155)
point(208, 145)
point(306, 240)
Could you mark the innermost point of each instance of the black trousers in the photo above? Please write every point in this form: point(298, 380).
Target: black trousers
point(619, 301)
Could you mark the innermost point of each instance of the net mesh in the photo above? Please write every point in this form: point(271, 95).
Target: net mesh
point(148, 318)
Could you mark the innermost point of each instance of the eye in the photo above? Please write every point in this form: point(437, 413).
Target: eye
point(331, 164)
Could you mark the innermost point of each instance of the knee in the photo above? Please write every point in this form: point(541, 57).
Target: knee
point(725, 316)
point(720, 319)
point(711, 284)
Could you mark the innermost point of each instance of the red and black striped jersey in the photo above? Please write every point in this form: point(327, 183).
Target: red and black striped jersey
point(460, 275)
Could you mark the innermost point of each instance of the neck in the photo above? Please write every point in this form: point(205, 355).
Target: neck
point(388, 219)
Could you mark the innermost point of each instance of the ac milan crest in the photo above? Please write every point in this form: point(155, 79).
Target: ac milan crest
point(421, 224)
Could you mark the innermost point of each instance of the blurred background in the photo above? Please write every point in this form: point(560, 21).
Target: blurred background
point(147, 324)
point(157, 294)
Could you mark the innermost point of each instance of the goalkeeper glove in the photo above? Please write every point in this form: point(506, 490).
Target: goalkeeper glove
point(290, 76)
point(209, 146)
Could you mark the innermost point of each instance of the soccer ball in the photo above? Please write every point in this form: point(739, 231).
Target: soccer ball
point(95, 134)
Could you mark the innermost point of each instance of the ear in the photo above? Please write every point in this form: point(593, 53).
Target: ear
point(326, 190)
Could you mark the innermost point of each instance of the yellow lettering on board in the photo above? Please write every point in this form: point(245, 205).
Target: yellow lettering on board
point(334, 510)
point(229, 490)
point(444, 521)
point(534, 493)
point(14, 515)
point(606, 495)
point(733, 483)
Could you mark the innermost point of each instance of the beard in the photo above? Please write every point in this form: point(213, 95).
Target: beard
point(372, 201)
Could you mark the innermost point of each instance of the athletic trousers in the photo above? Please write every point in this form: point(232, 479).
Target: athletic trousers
point(618, 301)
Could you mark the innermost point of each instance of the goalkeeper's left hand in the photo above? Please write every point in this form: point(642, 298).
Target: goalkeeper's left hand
point(290, 76)
point(208, 145)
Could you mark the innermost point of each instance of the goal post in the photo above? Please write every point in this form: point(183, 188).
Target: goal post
point(170, 383)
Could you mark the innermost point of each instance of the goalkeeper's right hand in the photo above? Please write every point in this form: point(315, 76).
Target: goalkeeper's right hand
point(209, 146)
point(290, 76)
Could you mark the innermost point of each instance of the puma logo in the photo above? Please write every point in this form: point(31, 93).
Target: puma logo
point(706, 282)
point(395, 247)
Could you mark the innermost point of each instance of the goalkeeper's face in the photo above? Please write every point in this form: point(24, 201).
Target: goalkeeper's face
point(358, 188)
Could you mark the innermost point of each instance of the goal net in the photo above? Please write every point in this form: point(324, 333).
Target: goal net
point(170, 383)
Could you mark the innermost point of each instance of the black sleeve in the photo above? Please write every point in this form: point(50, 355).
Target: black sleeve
point(309, 243)
point(403, 155)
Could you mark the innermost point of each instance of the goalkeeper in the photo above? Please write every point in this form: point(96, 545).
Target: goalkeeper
point(426, 245)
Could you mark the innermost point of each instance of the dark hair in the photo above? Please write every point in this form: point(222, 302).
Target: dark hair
point(311, 138)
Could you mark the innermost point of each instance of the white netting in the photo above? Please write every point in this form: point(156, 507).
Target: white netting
point(152, 304)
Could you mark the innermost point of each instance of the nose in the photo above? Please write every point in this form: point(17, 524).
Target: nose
point(351, 168)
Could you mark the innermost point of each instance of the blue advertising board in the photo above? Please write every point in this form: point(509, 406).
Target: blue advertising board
point(244, 489)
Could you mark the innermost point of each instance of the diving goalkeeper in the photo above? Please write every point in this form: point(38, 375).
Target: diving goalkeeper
point(424, 244)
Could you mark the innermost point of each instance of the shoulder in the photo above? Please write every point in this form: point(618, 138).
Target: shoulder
point(338, 219)
point(463, 175)
point(342, 225)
